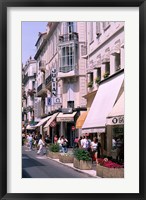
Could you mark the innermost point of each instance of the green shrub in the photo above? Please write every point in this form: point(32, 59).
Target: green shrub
point(97, 80)
point(82, 154)
point(106, 74)
point(90, 84)
point(54, 147)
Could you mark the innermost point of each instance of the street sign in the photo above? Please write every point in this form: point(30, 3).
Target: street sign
point(53, 124)
point(73, 128)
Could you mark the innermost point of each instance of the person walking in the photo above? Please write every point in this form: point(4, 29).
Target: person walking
point(30, 141)
point(94, 147)
point(64, 142)
point(40, 145)
point(55, 139)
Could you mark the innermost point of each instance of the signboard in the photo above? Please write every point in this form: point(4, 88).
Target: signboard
point(118, 120)
point(53, 124)
point(37, 108)
point(65, 119)
point(53, 80)
point(73, 128)
point(57, 100)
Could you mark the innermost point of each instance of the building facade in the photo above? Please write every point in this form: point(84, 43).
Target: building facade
point(105, 68)
point(28, 91)
point(61, 75)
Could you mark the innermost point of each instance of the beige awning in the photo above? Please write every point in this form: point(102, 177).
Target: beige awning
point(116, 116)
point(102, 104)
point(81, 119)
point(50, 120)
point(42, 121)
point(66, 117)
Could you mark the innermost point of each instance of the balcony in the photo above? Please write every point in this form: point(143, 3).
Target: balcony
point(68, 71)
point(41, 90)
point(67, 38)
point(42, 66)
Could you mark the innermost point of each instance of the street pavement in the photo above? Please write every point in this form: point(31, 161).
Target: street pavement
point(40, 166)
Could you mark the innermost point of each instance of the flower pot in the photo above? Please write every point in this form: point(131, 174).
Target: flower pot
point(76, 163)
point(53, 155)
point(106, 172)
point(82, 164)
point(66, 158)
point(85, 165)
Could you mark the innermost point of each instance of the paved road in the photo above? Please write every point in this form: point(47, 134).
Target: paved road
point(39, 166)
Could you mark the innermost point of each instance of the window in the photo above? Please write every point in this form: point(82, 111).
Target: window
point(91, 32)
point(117, 62)
point(69, 27)
point(83, 50)
point(107, 67)
point(106, 25)
point(99, 72)
point(70, 104)
point(98, 31)
point(68, 57)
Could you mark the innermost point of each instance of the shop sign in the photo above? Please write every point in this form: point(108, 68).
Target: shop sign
point(53, 80)
point(53, 124)
point(73, 128)
point(118, 120)
point(65, 119)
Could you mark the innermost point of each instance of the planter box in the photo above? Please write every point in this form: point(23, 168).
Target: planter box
point(76, 163)
point(66, 158)
point(83, 165)
point(106, 172)
point(53, 155)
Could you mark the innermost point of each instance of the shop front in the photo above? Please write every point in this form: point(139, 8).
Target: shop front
point(115, 126)
point(103, 103)
point(67, 122)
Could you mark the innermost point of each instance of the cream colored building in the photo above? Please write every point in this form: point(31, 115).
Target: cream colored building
point(61, 75)
point(29, 90)
point(105, 80)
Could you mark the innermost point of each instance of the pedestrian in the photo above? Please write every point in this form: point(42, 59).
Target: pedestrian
point(85, 143)
point(30, 141)
point(40, 145)
point(64, 142)
point(76, 142)
point(120, 149)
point(94, 146)
point(79, 142)
point(55, 139)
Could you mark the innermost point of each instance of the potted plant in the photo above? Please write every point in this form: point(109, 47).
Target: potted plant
point(82, 159)
point(108, 169)
point(53, 151)
point(106, 74)
point(97, 80)
point(90, 84)
point(66, 157)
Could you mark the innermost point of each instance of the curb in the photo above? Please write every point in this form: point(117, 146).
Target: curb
point(56, 160)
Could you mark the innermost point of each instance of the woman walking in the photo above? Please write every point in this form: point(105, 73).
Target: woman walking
point(40, 145)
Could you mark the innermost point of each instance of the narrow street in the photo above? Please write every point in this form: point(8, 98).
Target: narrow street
point(39, 166)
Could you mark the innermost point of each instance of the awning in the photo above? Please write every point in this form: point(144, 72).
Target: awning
point(116, 116)
point(28, 127)
point(50, 120)
point(81, 119)
point(42, 121)
point(102, 104)
point(66, 117)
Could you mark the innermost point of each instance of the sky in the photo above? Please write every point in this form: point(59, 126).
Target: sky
point(30, 31)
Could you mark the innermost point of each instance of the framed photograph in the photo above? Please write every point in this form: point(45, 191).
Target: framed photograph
point(72, 104)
